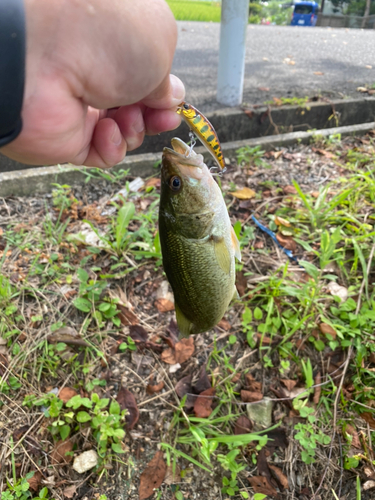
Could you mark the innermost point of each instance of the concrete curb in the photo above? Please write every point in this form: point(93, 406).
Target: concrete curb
point(40, 180)
point(237, 124)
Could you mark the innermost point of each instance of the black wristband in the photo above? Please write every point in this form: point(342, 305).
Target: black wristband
point(12, 68)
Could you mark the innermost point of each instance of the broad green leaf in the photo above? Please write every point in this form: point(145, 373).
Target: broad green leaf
point(64, 431)
point(82, 275)
point(116, 447)
point(114, 408)
point(83, 305)
point(83, 416)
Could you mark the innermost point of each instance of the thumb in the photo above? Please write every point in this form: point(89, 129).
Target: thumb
point(170, 93)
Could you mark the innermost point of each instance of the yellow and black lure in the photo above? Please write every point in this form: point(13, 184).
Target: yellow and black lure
point(203, 129)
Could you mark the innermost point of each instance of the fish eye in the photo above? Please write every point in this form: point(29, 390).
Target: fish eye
point(175, 183)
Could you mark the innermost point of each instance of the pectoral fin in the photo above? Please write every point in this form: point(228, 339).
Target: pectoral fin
point(222, 254)
point(184, 325)
point(236, 244)
point(236, 295)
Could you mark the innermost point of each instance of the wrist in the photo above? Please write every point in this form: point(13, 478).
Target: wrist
point(12, 68)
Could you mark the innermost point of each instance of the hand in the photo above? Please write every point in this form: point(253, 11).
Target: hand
point(97, 80)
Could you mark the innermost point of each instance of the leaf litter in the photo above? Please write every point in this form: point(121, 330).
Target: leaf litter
point(43, 283)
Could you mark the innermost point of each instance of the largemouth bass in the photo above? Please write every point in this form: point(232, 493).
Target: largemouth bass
point(203, 129)
point(197, 240)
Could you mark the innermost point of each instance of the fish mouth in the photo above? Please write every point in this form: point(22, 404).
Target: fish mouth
point(182, 155)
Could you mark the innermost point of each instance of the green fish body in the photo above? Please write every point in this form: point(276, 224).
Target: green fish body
point(197, 240)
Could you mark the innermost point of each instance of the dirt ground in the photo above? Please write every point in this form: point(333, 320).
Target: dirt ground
point(221, 354)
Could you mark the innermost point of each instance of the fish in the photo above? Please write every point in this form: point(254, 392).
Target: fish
point(198, 242)
point(203, 129)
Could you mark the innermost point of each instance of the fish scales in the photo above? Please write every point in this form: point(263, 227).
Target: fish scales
point(197, 240)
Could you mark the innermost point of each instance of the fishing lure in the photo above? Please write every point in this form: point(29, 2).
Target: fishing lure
point(202, 128)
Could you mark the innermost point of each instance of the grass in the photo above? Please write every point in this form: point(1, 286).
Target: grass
point(78, 283)
point(190, 10)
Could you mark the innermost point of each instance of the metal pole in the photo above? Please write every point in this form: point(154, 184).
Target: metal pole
point(234, 20)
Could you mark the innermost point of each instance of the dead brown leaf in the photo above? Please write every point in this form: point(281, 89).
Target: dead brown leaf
point(58, 454)
point(318, 388)
point(279, 221)
point(224, 324)
point(66, 393)
point(276, 154)
point(251, 396)
point(324, 152)
point(127, 401)
point(170, 477)
point(153, 182)
point(241, 283)
point(164, 305)
point(70, 491)
point(289, 384)
point(152, 389)
point(251, 384)
point(127, 317)
point(242, 425)
point(259, 244)
point(244, 194)
point(184, 387)
point(182, 351)
point(369, 418)
point(264, 89)
point(34, 482)
point(153, 476)
point(138, 333)
point(203, 383)
point(277, 101)
point(169, 356)
point(280, 476)
point(318, 73)
point(67, 335)
point(203, 403)
point(289, 189)
point(324, 328)
point(261, 484)
point(287, 242)
point(351, 431)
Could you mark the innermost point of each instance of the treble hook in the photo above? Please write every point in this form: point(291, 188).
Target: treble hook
point(193, 143)
point(220, 173)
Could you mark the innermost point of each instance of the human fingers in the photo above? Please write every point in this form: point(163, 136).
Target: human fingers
point(158, 121)
point(170, 93)
point(131, 123)
point(107, 146)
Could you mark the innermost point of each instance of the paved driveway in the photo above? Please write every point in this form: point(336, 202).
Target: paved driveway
point(342, 55)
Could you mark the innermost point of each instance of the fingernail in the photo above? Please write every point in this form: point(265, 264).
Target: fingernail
point(178, 89)
point(116, 136)
point(139, 125)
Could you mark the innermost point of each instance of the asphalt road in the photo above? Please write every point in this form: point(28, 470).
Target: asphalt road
point(343, 56)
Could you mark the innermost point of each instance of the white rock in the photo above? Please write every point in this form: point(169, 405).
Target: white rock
point(86, 461)
point(163, 292)
point(174, 368)
point(369, 485)
point(339, 291)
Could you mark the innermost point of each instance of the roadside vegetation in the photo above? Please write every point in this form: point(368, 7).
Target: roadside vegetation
point(100, 399)
point(259, 12)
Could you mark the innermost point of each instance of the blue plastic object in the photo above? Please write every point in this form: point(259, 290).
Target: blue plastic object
point(270, 233)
